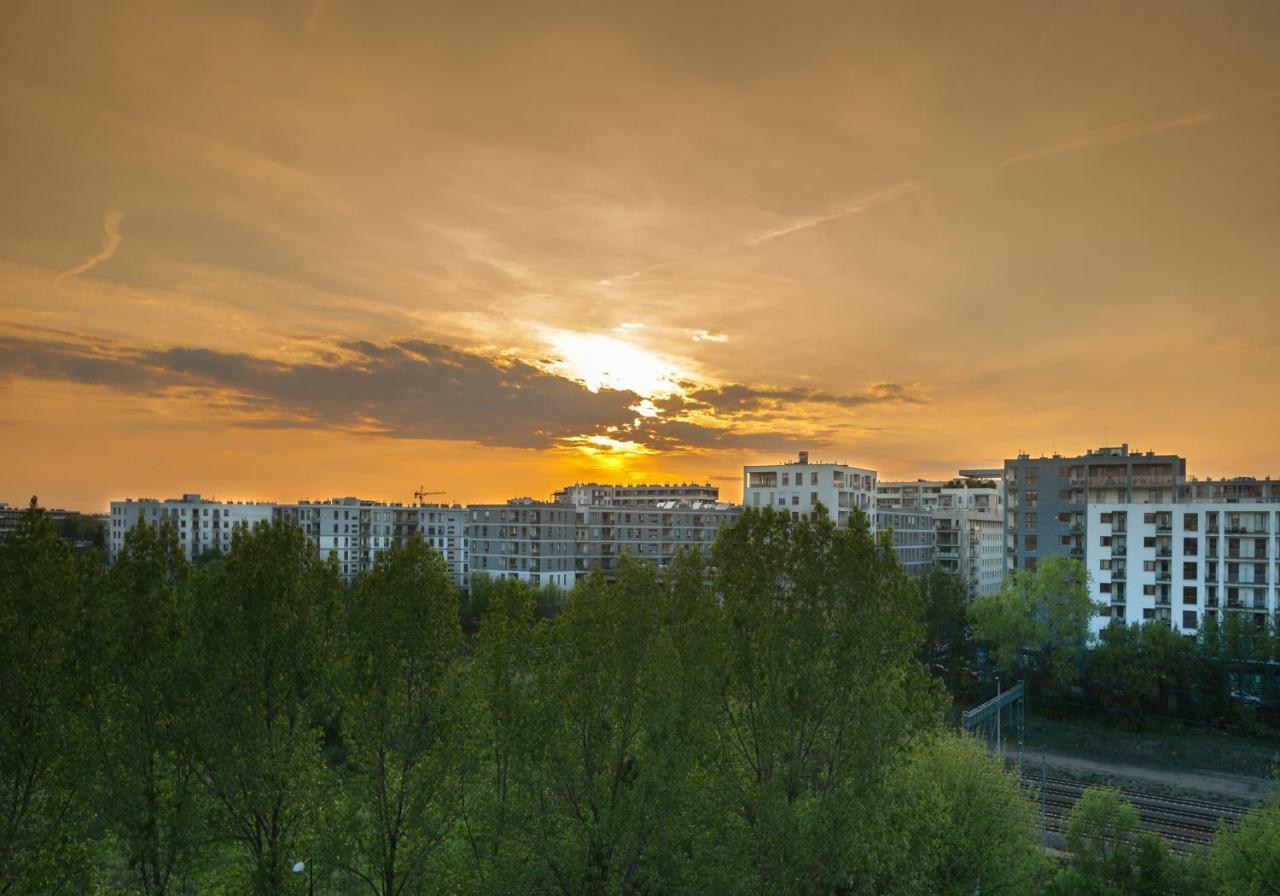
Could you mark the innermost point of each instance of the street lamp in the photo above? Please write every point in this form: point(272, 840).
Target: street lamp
point(305, 865)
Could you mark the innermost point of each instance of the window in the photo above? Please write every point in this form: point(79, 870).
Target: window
point(786, 478)
point(1029, 564)
point(1029, 521)
point(1033, 499)
point(813, 478)
point(813, 497)
point(1190, 522)
point(1030, 543)
point(1105, 518)
point(1189, 619)
point(1149, 542)
point(1104, 587)
point(1190, 546)
point(1064, 540)
point(1149, 590)
point(1064, 494)
point(1189, 594)
point(795, 500)
point(1148, 613)
point(1190, 570)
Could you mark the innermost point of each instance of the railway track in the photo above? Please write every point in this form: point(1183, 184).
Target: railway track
point(1185, 824)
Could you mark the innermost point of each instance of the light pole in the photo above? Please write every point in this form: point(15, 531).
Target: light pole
point(305, 865)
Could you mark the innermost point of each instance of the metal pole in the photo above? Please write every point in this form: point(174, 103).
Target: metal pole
point(1044, 805)
point(999, 713)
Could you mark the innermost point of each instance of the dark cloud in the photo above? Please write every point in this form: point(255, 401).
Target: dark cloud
point(415, 389)
point(733, 398)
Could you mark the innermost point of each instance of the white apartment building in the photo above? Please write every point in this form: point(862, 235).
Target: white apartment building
point(969, 524)
point(923, 494)
point(595, 494)
point(798, 486)
point(354, 530)
point(911, 531)
point(201, 524)
point(532, 541)
point(444, 527)
point(1179, 563)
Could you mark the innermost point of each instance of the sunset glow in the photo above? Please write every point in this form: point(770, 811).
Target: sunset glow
point(308, 248)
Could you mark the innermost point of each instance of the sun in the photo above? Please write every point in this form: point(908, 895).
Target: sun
point(607, 362)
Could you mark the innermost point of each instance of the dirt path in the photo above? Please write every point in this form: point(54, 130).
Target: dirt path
point(1206, 784)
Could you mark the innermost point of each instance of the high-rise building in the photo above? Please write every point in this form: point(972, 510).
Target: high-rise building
point(798, 486)
point(911, 531)
point(1046, 498)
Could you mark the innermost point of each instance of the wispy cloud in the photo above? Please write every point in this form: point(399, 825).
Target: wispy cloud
point(857, 206)
point(111, 239)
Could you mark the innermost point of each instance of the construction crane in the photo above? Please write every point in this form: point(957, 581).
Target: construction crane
point(420, 494)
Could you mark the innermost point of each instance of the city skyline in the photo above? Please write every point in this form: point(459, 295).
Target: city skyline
point(312, 251)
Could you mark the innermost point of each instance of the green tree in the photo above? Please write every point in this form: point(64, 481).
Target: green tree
point(259, 655)
point(46, 784)
point(399, 721)
point(1245, 860)
point(508, 719)
point(1038, 625)
point(148, 797)
point(822, 688)
point(950, 819)
point(945, 603)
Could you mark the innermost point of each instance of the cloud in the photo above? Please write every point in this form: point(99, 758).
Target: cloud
point(734, 398)
point(708, 336)
point(111, 239)
point(417, 389)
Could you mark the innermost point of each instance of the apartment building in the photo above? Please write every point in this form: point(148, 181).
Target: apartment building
point(912, 533)
point(969, 530)
point(1178, 563)
point(201, 524)
point(532, 541)
point(654, 534)
point(923, 494)
point(594, 494)
point(443, 527)
point(1046, 498)
point(798, 486)
point(1239, 490)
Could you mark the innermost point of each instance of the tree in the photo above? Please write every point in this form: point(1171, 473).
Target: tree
point(1038, 625)
point(400, 720)
point(46, 780)
point(1245, 860)
point(945, 602)
point(950, 819)
point(259, 655)
point(148, 797)
point(508, 718)
point(822, 687)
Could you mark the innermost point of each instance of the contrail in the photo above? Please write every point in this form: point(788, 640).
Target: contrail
point(862, 204)
point(1134, 131)
point(111, 239)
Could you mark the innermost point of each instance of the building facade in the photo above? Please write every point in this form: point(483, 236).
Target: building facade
point(798, 486)
point(1046, 498)
point(201, 524)
point(531, 541)
point(969, 526)
point(1179, 563)
point(912, 533)
point(653, 534)
point(594, 494)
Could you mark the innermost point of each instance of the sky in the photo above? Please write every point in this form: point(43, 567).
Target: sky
point(307, 249)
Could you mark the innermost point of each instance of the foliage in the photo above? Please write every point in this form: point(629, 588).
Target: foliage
point(1246, 860)
point(945, 608)
point(46, 762)
point(1038, 625)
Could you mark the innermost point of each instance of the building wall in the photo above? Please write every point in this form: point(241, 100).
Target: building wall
point(798, 486)
point(201, 525)
point(913, 537)
point(1179, 562)
point(531, 541)
point(653, 534)
point(594, 494)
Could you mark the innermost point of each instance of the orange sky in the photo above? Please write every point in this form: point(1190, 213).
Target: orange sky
point(297, 250)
